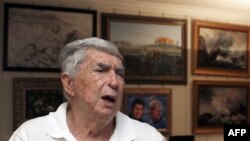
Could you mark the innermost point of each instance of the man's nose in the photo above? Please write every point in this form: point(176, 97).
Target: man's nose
point(113, 80)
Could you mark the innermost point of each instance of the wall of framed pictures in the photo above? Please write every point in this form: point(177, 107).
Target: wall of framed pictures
point(192, 74)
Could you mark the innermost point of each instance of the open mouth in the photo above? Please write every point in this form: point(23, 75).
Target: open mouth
point(109, 99)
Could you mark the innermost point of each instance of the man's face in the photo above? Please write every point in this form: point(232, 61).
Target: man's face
point(154, 112)
point(138, 111)
point(99, 84)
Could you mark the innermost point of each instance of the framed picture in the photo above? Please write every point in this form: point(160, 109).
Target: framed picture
point(220, 49)
point(218, 103)
point(150, 105)
point(154, 49)
point(34, 97)
point(34, 35)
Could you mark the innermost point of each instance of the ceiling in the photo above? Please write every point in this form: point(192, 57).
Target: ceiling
point(233, 5)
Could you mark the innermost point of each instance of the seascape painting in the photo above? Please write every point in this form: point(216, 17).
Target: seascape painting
point(222, 105)
point(222, 49)
point(219, 103)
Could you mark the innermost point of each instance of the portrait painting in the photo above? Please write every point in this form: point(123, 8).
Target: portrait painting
point(34, 35)
point(154, 49)
point(151, 106)
point(220, 103)
point(220, 49)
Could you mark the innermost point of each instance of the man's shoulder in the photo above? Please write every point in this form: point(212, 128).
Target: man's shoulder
point(141, 129)
point(146, 131)
point(34, 124)
point(32, 129)
point(143, 126)
point(135, 123)
point(41, 123)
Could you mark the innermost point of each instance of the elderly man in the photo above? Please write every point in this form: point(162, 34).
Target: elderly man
point(155, 112)
point(93, 81)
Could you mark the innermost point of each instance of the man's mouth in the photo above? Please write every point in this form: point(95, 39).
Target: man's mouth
point(108, 98)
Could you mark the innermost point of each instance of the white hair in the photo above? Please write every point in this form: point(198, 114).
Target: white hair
point(157, 104)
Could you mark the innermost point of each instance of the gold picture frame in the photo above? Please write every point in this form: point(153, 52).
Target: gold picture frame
point(216, 103)
point(163, 96)
point(220, 49)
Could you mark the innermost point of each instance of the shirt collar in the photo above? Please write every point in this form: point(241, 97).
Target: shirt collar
point(124, 130)
point(57, 126)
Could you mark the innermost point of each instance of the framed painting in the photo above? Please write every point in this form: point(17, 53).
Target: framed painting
point(34, 97)
point(154, 49)
point(34, 35)
point(219, 103)
point(150, 105)
point(220, 49)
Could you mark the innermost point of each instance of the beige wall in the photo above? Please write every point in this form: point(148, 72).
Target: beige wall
point(182, 97)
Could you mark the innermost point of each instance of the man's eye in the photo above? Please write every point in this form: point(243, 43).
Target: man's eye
point(100, 70)
point(120, 73)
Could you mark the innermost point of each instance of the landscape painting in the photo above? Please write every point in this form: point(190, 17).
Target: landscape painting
point(153, 50)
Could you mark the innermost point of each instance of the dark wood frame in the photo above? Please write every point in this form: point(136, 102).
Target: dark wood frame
point(168, 76)
point(146, 94)
point(59, 35)
point(20, 88)
point(217, 126)
point(226, 70)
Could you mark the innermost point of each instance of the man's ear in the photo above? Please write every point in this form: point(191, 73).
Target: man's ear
point(67, 84)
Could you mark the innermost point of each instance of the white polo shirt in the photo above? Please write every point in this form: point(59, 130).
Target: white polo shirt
point(53, 127)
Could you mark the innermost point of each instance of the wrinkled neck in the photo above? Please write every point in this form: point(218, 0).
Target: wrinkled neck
point(86, 126)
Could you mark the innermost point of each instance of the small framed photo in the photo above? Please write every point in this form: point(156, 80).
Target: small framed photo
point(154, 49)
point(220, 49)
point(34, 97)
point(218, 103)
point(150, 105)
point(34, 35)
